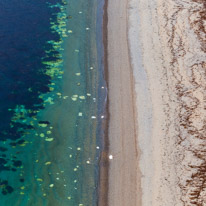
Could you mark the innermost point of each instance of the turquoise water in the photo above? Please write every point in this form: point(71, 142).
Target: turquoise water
point(56, 154)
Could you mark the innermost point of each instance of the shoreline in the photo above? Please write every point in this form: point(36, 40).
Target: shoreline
point(104, 163)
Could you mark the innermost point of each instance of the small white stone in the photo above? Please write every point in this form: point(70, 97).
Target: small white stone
point(93, 117)
point(87, 28)
point(65, 97)
point(110, 157)
point(49, 139)
point(102, 117)
point(82, 97)
point(97, 147)
point(74, 98)
point(80, 114)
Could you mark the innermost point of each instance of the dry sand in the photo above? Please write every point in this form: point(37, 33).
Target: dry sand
point(167, 42)
point(162, 109)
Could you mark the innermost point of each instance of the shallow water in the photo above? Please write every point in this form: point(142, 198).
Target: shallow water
point(52, 102)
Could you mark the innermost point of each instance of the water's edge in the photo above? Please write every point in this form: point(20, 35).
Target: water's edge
point(104, 163)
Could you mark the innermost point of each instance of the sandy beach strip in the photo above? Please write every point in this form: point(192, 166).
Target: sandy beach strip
point(155, 70)
point(156, 83)
point(124, 175)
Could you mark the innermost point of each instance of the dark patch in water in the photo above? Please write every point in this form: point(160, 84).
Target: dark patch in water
point(21, 180)
point(17, 163)
point(44, 122)
point(3, 149)
point(3, 162)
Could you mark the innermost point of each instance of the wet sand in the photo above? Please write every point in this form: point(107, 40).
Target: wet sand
point(124, 175)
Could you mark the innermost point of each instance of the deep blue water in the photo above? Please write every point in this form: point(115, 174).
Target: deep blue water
point(24, 35)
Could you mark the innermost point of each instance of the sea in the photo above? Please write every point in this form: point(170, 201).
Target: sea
point(52, 102)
